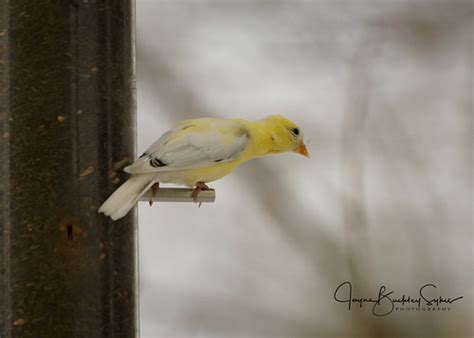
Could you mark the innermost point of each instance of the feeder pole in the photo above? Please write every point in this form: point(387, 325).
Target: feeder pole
point(67, 128)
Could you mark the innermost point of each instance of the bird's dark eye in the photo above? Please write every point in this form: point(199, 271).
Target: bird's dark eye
point(295, 131)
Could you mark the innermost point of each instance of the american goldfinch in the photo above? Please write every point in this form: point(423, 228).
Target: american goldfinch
point(200, 151)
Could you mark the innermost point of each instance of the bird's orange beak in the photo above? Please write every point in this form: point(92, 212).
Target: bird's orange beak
point(301, 149)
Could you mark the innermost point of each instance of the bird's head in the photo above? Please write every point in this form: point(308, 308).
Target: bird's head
point(285, 135)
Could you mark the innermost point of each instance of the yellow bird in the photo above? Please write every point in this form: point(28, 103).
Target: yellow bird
point(200, 151)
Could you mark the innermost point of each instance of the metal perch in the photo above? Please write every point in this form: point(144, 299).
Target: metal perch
point(180, 195)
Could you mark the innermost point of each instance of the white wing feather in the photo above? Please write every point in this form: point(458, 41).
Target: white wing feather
point(180, 148)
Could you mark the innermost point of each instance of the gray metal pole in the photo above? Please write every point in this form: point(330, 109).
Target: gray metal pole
point(67, 125)
point(179, 195)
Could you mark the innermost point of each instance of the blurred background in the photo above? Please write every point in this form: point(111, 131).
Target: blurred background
point(383, 92)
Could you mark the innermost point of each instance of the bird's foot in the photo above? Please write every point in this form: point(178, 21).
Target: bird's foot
point(200, 186)
point(154, 189)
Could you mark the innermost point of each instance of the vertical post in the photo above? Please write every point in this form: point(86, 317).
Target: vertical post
point(67, 127)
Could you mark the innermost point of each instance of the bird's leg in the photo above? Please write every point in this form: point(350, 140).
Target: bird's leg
point(154, 189)
point(200, 186)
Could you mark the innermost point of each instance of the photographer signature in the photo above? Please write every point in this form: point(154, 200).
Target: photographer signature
point(384, 303)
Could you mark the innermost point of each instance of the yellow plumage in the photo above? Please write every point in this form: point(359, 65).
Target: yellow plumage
point(200, 151)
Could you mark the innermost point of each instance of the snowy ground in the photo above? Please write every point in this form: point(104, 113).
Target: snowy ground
point(383, 92)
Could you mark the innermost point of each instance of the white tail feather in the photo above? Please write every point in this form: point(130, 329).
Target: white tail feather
point(127, 195)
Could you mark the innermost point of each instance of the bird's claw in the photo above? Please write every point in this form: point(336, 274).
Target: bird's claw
point(154, 189)
point(200, 186)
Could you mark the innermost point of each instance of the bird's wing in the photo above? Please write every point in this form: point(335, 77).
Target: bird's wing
point(193, 145)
